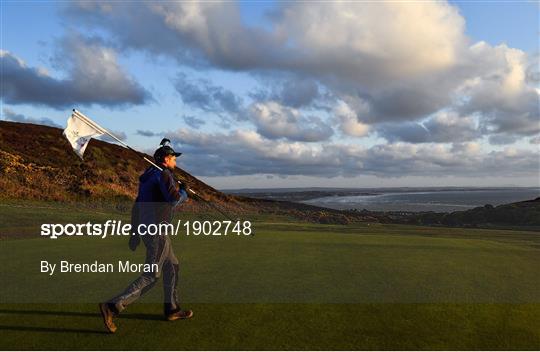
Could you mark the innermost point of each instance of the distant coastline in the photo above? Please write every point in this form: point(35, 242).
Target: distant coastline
point(413, 199)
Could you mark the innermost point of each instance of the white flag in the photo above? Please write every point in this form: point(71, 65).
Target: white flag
point(79, 133)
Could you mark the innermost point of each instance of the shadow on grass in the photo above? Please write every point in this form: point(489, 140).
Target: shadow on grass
point(43, 329)
point(138, 316)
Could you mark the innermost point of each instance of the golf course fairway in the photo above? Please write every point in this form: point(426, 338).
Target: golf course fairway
point(292, 286)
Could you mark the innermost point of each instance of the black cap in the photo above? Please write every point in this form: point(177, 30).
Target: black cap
point(164, 150)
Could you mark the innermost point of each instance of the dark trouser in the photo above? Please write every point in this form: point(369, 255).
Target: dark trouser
point(158, 251)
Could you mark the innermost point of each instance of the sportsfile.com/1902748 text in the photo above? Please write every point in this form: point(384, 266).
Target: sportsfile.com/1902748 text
point(120, 228)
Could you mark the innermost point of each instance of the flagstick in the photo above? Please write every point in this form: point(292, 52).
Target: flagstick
point(94, 125)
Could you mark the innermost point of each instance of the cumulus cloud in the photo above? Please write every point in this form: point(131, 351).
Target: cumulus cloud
point(293, 92)
point(447, 127)
point(348, 121)
point(244, 152)
point(403, 68)
point(501, 92)
point(415, 62)
point(413, 78)
point(347, 39)
point(202, 94)
point(411, 132)
point(443, 127)
point(276, 121)
point(348, 42)
point(93, 77)
point(271, 118)
point(10, 115)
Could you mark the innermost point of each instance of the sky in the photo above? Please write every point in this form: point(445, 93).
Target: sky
point(291, 94)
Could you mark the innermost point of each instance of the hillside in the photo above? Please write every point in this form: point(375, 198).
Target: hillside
point(526, 213)
point(37, 162)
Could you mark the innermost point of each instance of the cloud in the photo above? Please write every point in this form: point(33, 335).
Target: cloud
point(349, 39)
point(193, 121)
point(293, 92)
point(93, 77)
point(471, 148)
point(502, 139)
point(244, 152)
point(443, 127)
point(411, 132)
point(276, 121)
point(203, 95)
point(271, 118)
point(10, 115)
point(392, 64)
point(146, 133)
point(194, 33)
point(405, 68)
point(535, 140)
point(118, 134)
point(501, 92)
point(348, 121)
point(446, 127)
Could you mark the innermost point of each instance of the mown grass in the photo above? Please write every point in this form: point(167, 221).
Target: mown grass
point(278, 326)
point(291, 286)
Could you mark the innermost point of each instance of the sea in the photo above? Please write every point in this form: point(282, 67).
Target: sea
point(398, 199)
point(427, 200)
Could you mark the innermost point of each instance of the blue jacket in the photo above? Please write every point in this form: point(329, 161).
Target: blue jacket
point(158, 196)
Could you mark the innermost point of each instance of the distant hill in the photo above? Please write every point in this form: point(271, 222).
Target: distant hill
point(525, 213)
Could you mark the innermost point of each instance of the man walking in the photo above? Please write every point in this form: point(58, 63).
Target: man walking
point(155, 203)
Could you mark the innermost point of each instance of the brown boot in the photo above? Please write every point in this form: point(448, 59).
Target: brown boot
point(179, 314)
point(108, 316)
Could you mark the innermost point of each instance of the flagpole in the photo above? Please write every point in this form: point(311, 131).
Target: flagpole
point(100, 129)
